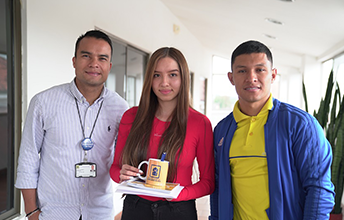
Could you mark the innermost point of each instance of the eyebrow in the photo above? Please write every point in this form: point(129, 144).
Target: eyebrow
point(100, 55)
point(85, 52)
point(257, 65)
point(174, 70)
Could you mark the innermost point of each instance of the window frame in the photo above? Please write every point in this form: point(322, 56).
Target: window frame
point(14, 100)
point(129, 48)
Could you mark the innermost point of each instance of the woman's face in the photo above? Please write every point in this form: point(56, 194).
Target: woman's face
point(166, 81)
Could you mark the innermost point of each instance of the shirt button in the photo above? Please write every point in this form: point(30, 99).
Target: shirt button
point(253, 119)
point(155, 205)
point(83, 185)
point(251, 133)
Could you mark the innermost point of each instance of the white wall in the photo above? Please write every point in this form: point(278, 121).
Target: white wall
point(53, 27)
point(50, 29)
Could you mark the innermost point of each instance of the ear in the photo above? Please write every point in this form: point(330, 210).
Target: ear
point(273, 74)
point(73, 60)
point(230, 77)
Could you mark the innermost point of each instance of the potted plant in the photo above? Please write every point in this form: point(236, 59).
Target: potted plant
point(330, 117)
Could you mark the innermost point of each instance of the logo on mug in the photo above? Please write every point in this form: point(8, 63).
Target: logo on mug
point(155, 171)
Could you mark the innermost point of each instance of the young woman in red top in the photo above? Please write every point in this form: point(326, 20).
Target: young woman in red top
point(165, 122)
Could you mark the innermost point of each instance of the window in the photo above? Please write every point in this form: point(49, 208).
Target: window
point(126, 76)
point(337, 64)
point(224, 95)
point(339, 70)
point(10, 104)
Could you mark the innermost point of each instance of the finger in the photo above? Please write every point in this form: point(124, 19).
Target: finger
point(126, 178)
point(130, 170)
point(128, 173)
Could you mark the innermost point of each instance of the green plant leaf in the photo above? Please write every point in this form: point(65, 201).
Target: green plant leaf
point(333, 126)
point(304, 95)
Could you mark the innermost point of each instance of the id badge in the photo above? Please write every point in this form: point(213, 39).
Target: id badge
point(85, 170)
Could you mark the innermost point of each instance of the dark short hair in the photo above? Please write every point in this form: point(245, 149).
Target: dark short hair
point(96, 34)
point(249, 47)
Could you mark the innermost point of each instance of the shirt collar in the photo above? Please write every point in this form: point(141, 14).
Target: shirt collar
point(79, 96)
point(239, 116)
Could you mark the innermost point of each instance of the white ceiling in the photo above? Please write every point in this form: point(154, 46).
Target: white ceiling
point(310, 27)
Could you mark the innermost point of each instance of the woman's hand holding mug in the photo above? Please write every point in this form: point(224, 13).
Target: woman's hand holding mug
point(128, 172)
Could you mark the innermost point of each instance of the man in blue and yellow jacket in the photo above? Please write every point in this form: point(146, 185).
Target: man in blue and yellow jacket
point(272, 159)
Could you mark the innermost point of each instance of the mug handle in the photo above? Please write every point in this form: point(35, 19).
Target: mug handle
point(139, 175)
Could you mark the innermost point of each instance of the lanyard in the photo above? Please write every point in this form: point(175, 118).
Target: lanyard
point(95, 121)
point(87, 143)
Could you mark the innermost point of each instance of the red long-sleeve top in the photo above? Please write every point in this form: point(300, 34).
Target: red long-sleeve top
point(198, 144)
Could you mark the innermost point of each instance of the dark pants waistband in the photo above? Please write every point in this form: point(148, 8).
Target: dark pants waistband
point(136, 207)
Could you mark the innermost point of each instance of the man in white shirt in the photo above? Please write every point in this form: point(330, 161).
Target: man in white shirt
point(68, 140)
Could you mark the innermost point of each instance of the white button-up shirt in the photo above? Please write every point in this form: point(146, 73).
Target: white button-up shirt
point(50, 148)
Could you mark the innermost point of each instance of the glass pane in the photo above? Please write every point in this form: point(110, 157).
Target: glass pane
point(224, 95)
point(131, 91)
point(203, 94)
point(4, 188)
point(340, 77)
point(135, 69)
point(115, 81)
point(221, 65)
point(339, 71)
point(126, 76)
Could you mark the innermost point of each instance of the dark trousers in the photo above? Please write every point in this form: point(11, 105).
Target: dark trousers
point(135, 207)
